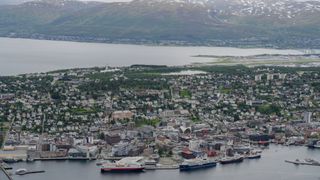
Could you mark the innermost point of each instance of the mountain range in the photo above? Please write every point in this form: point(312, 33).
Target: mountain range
point(271, 23)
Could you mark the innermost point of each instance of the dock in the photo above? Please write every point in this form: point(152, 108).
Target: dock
point(64, 159)
point(297, 162)
point(5, 166)
point(112, 158)
point(163, 167)
point(4, 174)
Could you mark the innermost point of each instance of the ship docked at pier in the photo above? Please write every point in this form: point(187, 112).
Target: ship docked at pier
point(129, 164)
point(230, 160)
point(197, 163)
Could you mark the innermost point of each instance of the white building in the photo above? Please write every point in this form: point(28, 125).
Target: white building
point(257, 77)
point(307, 117)
point(269, 76)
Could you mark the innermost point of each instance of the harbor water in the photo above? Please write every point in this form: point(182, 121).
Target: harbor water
point(271, 166)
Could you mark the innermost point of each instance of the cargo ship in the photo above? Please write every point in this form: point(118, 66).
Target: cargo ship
point(193, 164)
point(129, 164)
point(229, 160)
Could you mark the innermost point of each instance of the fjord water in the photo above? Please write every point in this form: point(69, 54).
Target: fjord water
point(270, 167)
point(18, 56)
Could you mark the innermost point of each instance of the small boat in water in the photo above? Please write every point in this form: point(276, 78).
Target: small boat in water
point(314, 144)
point(253, 155)
point(197, 163)
point(21, 171)
point(233, 159)
point(10, 160)
point(25, 171)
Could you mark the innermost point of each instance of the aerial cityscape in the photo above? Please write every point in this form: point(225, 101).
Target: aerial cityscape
point(137, 95)
point(164, 115)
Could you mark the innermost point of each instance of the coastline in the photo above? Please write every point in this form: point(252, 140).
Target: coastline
point(160, 43)
point(23, 56)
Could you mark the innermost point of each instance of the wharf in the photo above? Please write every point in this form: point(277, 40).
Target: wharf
point(5, 166)
point(112, 158)
point(302, 163)
point(64, 158)
point(4, 175)
point(162, 167)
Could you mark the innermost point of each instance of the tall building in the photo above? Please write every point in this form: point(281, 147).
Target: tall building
point(257, 77)
point(307, 117)
point(282, 76)
point(269, 76)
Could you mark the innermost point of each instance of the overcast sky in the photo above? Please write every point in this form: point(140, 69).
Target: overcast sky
point(109, 0)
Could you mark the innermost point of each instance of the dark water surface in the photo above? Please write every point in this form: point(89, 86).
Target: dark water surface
point(270, 167)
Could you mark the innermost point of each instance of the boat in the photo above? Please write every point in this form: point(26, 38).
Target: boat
point(296, 162)
point(150, 162)
point(10, 160)
point(21, 171)
point(254, 156)
point(25, 171)
point(122, 168)
point(129, 164)
point(233, 159)
point(314, 144)
point(101, 163)
point(193, 164)
point(317, 145)
point(312, 162)
point(29, 160)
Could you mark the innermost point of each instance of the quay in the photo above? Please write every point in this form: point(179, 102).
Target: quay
point(112, 158)
point(5, 166)
point(297, 162)
point(163, 167)
point(4, 175)
point(64, 158)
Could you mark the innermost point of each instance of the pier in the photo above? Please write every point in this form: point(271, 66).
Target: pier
point(4, 175)
point(298, 162)
point(163, 167)
point(5, 166)
point(65, 158)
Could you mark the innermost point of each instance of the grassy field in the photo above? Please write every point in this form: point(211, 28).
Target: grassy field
point(255, 61)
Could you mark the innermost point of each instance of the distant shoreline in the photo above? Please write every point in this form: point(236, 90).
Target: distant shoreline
point(161, 43)
point(25, 55)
